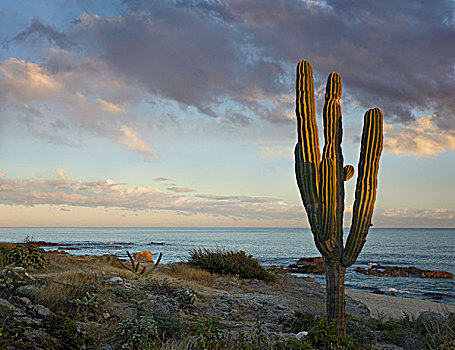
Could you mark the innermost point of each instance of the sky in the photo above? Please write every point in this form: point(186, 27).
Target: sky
point(182, 113)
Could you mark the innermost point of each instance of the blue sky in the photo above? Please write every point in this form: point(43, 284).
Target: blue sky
point(181, 113)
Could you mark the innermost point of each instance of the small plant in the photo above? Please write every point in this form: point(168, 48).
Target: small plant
point(208, 334)
point(167, 325)
point(323, 336)
point(26, 256)
point(135, 265)
point(229, 262)
point(87, 306)
point(137, 333)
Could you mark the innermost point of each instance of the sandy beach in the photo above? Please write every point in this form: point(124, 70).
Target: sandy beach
point(385, 306)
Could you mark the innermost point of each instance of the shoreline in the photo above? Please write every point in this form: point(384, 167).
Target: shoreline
point(394, 307)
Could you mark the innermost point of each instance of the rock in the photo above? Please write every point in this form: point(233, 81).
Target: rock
point(16, 311)
point(116, 280)
point(400, 271)
point(308, 265)
point(144, 256)
point(24, 300)
point(43, 311)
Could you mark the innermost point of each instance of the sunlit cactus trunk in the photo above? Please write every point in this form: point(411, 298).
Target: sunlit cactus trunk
point(321, 182)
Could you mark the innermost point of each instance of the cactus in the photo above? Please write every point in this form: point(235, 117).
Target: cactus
point(321, 182)
point(135, 265)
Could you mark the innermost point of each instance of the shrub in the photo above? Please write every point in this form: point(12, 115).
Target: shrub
point(323, 336)
point(167, 325)
point(27, 257)
point(137, 333)
point(229, 262)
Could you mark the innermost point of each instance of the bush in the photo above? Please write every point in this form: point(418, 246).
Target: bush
point(137, 333)
point(323, 336)
point(229, 262)
point(27, 257)
point(167, 324)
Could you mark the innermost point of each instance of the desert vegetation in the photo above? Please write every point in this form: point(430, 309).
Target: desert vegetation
point(215, 300)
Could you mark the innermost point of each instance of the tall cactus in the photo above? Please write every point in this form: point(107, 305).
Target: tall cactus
point(321, 182)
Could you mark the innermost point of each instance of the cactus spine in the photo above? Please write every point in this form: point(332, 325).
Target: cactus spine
point(321, 182)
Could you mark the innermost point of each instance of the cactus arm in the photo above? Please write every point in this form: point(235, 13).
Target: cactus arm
point(348, 172)
point(123, 264)
point(307, 153)
point(306, 113)
point(333, 133)
point(156, 265)
point(367, 182)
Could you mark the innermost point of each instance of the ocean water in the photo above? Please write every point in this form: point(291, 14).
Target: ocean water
point(432, 249)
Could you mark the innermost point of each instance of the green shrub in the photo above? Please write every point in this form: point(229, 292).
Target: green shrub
point(26, 256)
point(167, 324)
point(229, 262)
point(323, 336)
point(137, 333)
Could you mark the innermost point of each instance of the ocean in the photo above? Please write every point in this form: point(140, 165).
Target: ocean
point(431, 249)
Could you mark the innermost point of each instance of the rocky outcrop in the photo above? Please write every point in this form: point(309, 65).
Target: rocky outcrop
point(308, 265)
point(144, 256)
point(316, 266)
point(400, 271)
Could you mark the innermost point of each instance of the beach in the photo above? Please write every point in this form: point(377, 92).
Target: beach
point(385, 306)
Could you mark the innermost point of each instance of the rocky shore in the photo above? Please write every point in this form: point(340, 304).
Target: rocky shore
point(85, 300)
point(315, 266)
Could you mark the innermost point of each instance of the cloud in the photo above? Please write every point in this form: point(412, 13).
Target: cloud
point(130, 140)
point(37, 30)
point(421, 138)
point(412, 217)
point(184, 54)
point(160, 179)
point(65, 95)
point(181, 189)
point(62, 174)
point(233, 60)
point(108, 193)
point(27, 81)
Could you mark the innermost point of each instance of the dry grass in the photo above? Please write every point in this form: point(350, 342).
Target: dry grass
point(187, 272)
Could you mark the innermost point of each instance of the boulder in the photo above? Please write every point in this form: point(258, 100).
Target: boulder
point(308, 265)
point(144, 256)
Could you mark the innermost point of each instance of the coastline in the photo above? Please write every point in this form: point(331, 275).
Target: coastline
point(386, 306)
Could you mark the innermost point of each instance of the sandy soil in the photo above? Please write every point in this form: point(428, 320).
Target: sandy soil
point(385, 306)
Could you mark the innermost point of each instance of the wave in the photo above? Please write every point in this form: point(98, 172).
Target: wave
point(399, 291)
